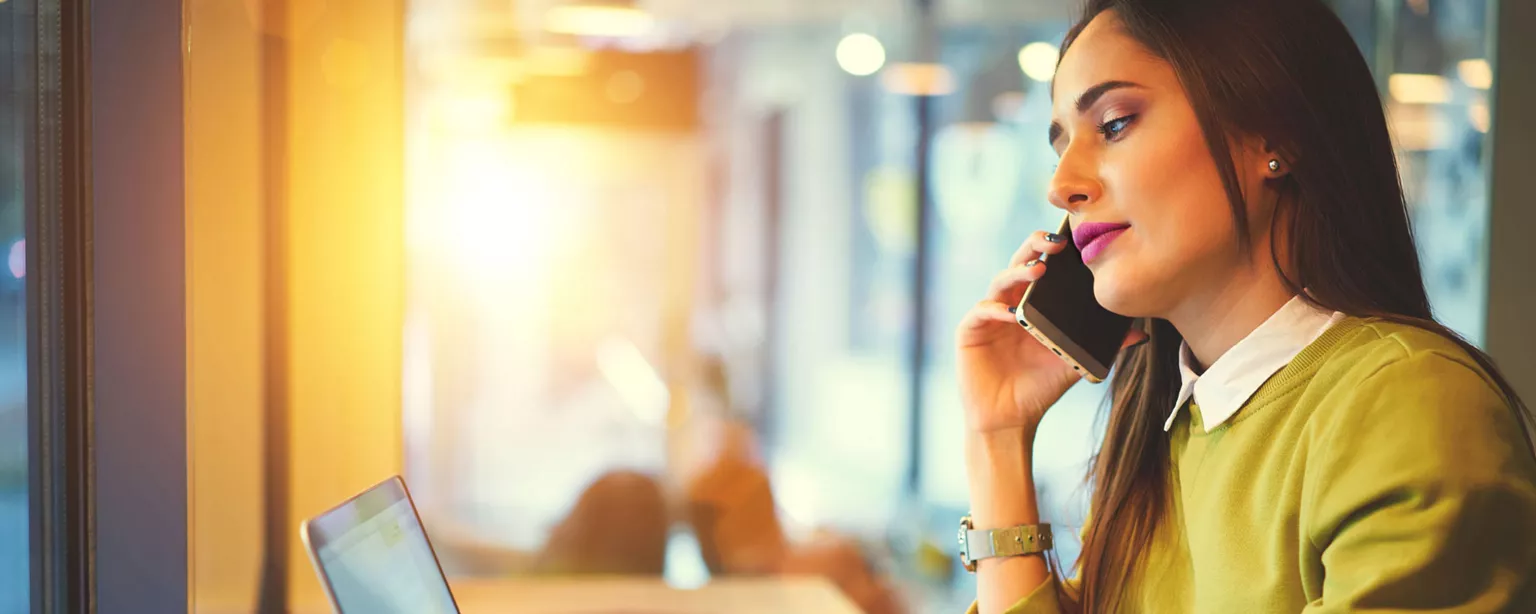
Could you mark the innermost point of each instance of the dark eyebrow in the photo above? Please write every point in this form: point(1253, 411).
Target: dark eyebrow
point(1088, 98)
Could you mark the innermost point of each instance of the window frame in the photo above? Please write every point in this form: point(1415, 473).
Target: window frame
point(138, 382)
point(1511, 151)
point(57, 229)
point(106, 311)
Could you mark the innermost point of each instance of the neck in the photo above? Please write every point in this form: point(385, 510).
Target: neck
point(1214, 321)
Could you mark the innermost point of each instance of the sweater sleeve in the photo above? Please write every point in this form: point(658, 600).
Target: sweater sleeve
point(1042, 600)
point(1421, 493)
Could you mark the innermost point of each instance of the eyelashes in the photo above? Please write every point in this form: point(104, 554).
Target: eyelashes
point(1114, 129)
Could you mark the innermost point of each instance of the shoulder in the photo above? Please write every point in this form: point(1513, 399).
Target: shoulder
point(1408, 441)
point(1378, 351)
point(1404, 397)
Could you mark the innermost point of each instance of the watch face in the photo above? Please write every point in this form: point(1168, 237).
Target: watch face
point(965, 546)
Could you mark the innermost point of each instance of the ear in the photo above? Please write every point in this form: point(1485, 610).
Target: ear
point(1273, 164)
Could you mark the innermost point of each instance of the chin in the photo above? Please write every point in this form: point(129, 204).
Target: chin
point(1123, 291)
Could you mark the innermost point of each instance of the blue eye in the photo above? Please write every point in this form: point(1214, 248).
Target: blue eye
point(1115, 128)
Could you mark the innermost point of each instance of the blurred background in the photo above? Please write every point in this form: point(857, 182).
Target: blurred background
point(683, 270)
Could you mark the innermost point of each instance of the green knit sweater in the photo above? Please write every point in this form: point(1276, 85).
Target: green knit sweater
point(1379, 471)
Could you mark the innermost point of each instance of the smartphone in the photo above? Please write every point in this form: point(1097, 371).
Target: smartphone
point(1059, 309)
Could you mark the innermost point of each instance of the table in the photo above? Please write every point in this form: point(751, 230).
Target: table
point(776, 595)
point(651, 596)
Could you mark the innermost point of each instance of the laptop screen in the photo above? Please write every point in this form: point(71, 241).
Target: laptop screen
point(374, 556)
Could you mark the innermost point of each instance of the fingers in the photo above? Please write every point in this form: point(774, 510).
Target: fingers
point(986, 312)
point(1038, 244)
point(1008, 286)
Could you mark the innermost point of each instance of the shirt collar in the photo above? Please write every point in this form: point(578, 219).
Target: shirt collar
point(1238, 374)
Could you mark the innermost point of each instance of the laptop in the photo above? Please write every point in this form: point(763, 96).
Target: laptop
point(373, 556)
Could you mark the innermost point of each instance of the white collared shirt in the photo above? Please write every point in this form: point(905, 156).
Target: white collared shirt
point(1238, 374)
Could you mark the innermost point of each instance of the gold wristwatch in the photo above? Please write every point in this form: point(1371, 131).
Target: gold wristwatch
point(1013, 541)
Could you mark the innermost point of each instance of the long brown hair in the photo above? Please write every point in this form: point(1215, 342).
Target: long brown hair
point(1286, 71)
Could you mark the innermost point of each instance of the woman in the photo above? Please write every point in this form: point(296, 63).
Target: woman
point(1292, 432)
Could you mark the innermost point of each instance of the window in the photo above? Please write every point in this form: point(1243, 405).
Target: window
point(1435, 60)
point(1433, 63)
point(17, 126)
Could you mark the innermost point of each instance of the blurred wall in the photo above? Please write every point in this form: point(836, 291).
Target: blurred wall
point(826, 386)
point(224, 311)
point(345, 240)
point(343, 195)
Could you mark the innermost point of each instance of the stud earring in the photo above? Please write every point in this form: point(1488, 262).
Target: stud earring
point(1274, 166)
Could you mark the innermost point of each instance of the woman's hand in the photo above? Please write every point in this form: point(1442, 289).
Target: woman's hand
point(1008, 379)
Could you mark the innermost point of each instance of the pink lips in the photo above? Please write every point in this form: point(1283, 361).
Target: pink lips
point(1092, 238)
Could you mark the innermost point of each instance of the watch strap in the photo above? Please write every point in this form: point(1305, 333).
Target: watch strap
point(1012, 541)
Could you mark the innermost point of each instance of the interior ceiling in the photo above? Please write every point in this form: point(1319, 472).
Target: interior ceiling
point(494, 18)
point(751, 13)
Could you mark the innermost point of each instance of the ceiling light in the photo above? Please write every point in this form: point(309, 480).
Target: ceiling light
point(1475, 73)
point(860, 54)
point(1038, 61)
point(1419, 89)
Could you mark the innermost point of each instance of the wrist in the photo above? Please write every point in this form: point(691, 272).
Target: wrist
point(1001, 439)
point(1000, 472)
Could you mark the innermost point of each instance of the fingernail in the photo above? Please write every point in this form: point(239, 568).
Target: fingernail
point(1053, 237)
point(1032, 263)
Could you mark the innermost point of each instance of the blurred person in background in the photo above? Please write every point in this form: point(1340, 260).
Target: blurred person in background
point(619, 523)
point(728, 499)
point(590, 453)
point(618, 526)
point(1292, 427)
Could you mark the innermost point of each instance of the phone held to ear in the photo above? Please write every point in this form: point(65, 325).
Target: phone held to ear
point(1059, 309)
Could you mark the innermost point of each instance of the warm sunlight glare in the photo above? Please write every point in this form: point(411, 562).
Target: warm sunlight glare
point(595, 20)
point(637, 381)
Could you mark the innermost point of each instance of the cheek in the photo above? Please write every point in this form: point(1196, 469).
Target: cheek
point(1168, 188)
point(1171, 188)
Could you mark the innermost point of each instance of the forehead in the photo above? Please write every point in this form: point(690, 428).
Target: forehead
point(1104, 52)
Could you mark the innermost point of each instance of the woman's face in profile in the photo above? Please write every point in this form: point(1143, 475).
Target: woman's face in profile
point(1133, 154)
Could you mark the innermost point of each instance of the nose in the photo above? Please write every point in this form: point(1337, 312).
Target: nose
point(1073, 186)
